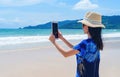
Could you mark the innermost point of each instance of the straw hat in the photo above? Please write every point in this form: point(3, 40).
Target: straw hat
point(92, 19)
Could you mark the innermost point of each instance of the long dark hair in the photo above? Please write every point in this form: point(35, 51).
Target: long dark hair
point(96, 36)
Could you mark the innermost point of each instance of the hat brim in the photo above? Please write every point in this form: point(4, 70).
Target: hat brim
point(90, 24)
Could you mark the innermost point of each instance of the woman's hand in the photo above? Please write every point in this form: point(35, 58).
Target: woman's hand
point(52, 38)
point(60, 35)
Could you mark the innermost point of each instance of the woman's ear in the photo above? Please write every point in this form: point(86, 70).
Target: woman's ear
point(86, 29)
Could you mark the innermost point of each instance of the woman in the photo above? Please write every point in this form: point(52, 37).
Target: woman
point(87, 52)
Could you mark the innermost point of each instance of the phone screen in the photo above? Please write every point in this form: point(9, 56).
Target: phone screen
point(55, 29)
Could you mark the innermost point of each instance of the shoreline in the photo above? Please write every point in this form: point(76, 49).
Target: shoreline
point(47, 44)
point(32, 40)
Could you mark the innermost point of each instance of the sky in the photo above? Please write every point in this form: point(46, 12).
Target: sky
point(21, 13)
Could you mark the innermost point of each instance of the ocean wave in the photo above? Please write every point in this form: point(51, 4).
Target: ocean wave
point(36, 39)
point(111, 35)
point(22, 40)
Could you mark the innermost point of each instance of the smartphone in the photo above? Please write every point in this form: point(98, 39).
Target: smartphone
point(55, 29)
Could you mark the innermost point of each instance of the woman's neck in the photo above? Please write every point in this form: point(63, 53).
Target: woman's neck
point(89, 36)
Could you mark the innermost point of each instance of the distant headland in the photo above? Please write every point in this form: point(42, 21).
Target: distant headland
point(111, 22)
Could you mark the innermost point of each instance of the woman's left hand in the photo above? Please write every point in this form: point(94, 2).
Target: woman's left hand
point(52, 38)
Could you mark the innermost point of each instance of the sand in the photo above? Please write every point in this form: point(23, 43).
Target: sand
point(43, 60)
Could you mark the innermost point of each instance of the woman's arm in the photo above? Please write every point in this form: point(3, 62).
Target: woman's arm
point(61, 50)
point(64, 40)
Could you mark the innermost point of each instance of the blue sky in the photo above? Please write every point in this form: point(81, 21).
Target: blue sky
point(21, 13)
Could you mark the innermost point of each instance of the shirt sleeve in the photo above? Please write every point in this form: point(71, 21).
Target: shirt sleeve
point(80, 47)
point(77, 47)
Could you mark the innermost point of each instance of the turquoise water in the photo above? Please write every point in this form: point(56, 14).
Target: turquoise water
point(23, 32)
point(45, 32)
point(35, 32)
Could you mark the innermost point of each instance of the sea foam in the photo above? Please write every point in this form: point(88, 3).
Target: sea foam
point(40, 39)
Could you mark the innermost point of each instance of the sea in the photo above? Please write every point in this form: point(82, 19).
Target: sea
point(27, 36)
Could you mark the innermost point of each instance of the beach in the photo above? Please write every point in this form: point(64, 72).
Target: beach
point(110, 63)
point(43, 60)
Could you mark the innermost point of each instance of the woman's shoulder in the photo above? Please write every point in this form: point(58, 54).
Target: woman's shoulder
point(85, 41)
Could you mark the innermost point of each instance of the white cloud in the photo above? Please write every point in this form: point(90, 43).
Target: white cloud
point(85, 5)
point(19, 2)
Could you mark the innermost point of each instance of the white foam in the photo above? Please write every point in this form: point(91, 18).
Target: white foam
point(111, 35)
point(22, 40)
point(36, 39)
point(70, 37)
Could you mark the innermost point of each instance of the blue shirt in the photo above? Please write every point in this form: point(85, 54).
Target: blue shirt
point(88, 51)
